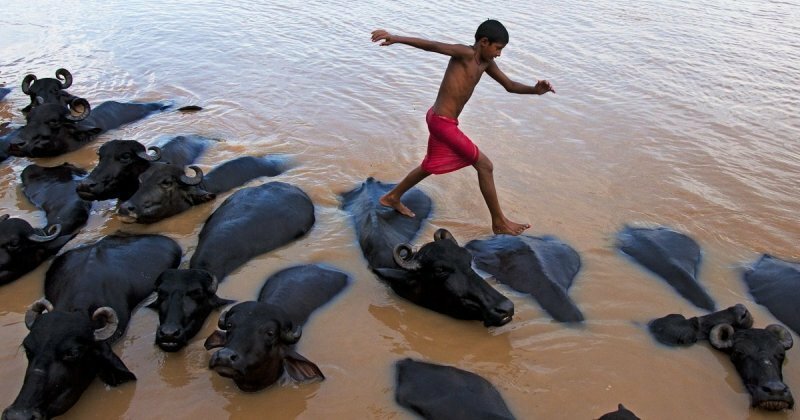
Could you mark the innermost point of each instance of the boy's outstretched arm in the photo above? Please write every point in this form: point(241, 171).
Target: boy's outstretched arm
point(541, 87)
point(453, 50)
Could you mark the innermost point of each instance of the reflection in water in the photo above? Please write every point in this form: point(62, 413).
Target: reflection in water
point(655, 122)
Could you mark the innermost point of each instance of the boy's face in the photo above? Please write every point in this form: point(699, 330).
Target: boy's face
point(490, 50)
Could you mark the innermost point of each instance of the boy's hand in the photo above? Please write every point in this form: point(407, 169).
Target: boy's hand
point(381, 34)
point(543, 86)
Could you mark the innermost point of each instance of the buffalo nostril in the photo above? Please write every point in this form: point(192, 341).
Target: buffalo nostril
point(775, 389)
point(170, 331)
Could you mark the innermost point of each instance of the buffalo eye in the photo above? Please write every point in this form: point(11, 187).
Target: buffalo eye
point(196, 294)
point(167, 183)
point(126, 157)
point(53, 123)
point(71, 355)
point(441, 271)
point(270, 333)
point(12, 245)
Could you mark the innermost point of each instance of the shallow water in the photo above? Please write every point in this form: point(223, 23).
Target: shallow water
point(667, 113)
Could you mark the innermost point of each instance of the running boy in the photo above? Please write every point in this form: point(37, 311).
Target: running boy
point(449, 149)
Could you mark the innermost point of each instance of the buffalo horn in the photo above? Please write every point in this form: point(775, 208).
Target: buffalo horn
point(4, 217)
point(54, 231)
point(212, 288)
point(404, 257)
point(291, 336)
point(443, 234)
point(721, 336)
point(152, 158)
point(196, 179)
point(35, 310)
point(782, 334)
point(79, 109)
point(26, 83)
point(67, 76)
point(112, 321)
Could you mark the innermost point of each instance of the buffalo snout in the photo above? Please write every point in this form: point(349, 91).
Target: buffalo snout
point(499, 315)
point(22, 414)
point(226, 362)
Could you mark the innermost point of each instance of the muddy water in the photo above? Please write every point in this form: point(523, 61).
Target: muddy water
point(667, 113)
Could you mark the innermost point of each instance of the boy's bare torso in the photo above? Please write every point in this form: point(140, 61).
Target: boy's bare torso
point(462, 75)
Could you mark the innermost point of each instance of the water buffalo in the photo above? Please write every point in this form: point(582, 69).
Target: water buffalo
point(185, 298)
point(758, 356)
point(23, 247)
point(123, 161)
point(257, 339)
point(676, 330)
point(48, 90)
point(775, 283)
point(672, 256)
point(378, 228)
point(622, 413)
point(52, 189)
point(165, 190)
point(440, 277)
point(545, 267)
point(54, 129)
point(90, 293)
point(444, 392)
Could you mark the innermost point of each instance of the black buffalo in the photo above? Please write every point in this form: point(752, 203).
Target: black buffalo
point(257, 339)
point(621, 413)
point(444, 392)
point(545, 267)
point(775, 283)
point(90, 293)
point(440, 277)
point(121, 162)
point(165, 190)
point(23, 247)
point(52, 189)
point(676, 330)
point(48, 90)
point(54, 129)
point(758, 356)
point(672, 256)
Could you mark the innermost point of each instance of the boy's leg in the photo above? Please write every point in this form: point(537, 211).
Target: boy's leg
point(500, 224)
point(392, 198)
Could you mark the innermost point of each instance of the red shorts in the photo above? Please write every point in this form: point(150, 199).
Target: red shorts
point(449, 149)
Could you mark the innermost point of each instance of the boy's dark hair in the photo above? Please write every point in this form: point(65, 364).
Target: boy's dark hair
point(492, 30)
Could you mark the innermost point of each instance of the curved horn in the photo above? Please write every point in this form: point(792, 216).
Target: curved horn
point(67, 76)
point(404, 257)
point(51, 232)
point(36, 309)
point(148, 157)
point(4, 217)
point(111, 319)
point(292, 336)
point(721, 336)
point(27, 82)
point(782, 334)
point(79, 109)
point(222, 320)
point(196, 179)
point(212, 288)
point(443, 234)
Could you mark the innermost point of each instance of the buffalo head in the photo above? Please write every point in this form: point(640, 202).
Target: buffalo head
point(65, 351)
point(440, 276)
point(185, 298)
point(257, 341)
point(758, 355)
point(52, 130)
point(23, 248)
point(117, 172)
point(164, 190)
point(676, 330)
point(48, 90)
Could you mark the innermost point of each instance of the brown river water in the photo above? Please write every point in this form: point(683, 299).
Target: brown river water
point(678, 114)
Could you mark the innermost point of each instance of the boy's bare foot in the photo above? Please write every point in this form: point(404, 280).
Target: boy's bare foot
point(509, 228)
point(397, 205)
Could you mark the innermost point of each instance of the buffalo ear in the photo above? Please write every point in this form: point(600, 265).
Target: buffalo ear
point(218, 302)
point(111, 370)
point(216, 339)
point(300, 368)
point(199, 196)
point(393, 275)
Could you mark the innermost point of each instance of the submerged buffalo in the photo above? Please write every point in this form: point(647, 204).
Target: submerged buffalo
point(54, 129)
point(48, 90)
point(121, 162)
point(23, 247)
point(90, 293)
point(758, 356)
point(257, 339)
point(775, 283)
point(545, 267)
point(621, 413)
point(444, 392)
point(52, 189)
point(676, 330)
point(440, 277)
point(672, 256)
point(165, 190)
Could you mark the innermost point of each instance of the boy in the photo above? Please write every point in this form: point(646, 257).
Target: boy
point(448, 148)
